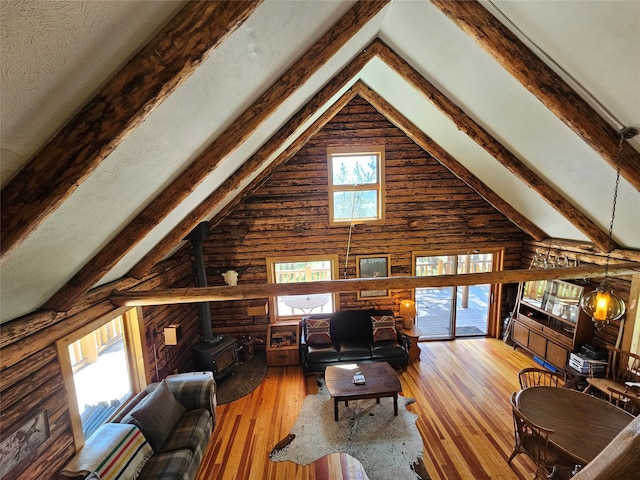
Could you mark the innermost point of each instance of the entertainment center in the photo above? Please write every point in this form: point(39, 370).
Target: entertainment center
point(549, 322)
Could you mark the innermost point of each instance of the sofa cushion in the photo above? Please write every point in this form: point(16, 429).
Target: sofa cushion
point(114, 451)
point(384, 328)
point(157, 414)
point(354, 350)
point(387, 349)
point(322, 353)
point(175, 465)
point(318, 331)
point(192, 430)
point(352, 325)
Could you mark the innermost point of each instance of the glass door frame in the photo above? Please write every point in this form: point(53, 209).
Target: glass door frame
point(495, 290)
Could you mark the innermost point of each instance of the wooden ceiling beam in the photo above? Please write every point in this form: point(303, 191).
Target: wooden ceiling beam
point(57, 170)
point(247, 292)
point(446, 160)
point(225, 144)
point(467, 125)
point(537, 77)
point(203, 211)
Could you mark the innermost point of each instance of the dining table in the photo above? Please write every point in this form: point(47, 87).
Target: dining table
point(582, 424)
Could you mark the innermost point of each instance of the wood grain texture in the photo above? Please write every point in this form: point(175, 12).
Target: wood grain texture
point(462, 393)
point(517, 59)
point(119, 107)
point(243, 292)
point(493, 147)
point(226, 143)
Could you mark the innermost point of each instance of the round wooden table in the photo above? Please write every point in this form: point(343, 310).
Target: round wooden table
point(583, 425)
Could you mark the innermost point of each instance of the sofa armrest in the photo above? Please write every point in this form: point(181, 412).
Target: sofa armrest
point(115, 450)
point(194, 394)
point(404, 340)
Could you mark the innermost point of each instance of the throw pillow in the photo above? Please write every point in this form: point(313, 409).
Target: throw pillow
point(157, 414)
point(384, 328)
point(318, 331)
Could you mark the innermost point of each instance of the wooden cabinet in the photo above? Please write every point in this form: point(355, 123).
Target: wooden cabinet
point(283, 342)
point(549, 322)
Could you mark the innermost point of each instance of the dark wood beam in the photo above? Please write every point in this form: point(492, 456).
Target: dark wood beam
point(467, 125)
point(57, 170)
point(442, 156)
point(225, 144)
point(217, 198)
point(246, 292)
point(517, 59)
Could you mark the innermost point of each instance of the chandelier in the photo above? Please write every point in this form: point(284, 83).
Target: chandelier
point(602, 304)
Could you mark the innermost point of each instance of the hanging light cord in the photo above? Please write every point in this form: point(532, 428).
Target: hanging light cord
point(613, 208)
point(353, 206)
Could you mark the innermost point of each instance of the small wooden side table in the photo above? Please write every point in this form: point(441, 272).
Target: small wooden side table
point(414, 334)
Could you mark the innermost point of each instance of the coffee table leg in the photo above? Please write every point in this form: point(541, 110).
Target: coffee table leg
point(335, 409)
point(395, 404)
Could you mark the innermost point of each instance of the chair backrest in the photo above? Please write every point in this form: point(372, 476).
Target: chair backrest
point(629, 400)
point(623, 366)
point(530, 377)
point(530, 438)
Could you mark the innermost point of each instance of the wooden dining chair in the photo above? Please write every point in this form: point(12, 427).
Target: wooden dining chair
point(628, 400)
point(529, 377)
point(533, 440)
point(623, 366)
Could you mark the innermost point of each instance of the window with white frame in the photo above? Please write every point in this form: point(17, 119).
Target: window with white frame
point(103, 367)
point(302, 269)
point(356, 184)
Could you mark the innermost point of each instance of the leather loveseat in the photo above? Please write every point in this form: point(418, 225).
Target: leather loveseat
point(351, 336)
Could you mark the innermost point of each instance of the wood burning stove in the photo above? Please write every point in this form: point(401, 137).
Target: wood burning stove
point(220, 356)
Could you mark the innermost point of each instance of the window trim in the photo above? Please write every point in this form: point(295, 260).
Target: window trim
point(270, 264)
point(379, 186)
point(135, 346)
point(495, 289)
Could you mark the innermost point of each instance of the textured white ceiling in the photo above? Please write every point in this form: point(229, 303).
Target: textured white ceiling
point(56, 54)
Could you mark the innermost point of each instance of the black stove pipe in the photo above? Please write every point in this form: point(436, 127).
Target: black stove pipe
point(197, 237)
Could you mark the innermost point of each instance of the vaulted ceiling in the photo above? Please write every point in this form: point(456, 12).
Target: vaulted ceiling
point(124, 124)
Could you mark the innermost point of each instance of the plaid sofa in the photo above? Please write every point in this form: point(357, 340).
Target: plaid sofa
point(176, 419)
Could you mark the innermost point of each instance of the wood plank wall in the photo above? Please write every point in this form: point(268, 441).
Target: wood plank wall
point(30, 374)
point(427, 208)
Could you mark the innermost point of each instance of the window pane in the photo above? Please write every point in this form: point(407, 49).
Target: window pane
point(366, 205)
point(101, 376)
point(354, 169)
point(303, 271)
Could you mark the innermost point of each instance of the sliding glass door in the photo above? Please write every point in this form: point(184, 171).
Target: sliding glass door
point(450, 312)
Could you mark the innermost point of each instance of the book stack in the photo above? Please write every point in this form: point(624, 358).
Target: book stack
point(358, 378)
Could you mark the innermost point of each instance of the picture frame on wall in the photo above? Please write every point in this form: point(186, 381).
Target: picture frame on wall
point(373, 266)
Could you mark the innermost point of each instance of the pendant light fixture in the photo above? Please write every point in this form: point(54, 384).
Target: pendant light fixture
point(601, 304)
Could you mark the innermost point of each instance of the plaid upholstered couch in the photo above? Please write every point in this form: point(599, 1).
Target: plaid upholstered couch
point(351, 336)
point(161, 433)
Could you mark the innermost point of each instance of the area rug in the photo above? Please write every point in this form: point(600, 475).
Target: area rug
point(246, 377)
point(388, 447)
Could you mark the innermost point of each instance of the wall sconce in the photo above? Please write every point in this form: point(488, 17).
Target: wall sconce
point(408, 312)
point(172, 334)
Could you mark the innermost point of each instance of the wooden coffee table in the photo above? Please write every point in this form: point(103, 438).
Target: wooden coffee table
point(381, 381)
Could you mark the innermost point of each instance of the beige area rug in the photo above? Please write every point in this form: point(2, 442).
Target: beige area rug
point(388, 447)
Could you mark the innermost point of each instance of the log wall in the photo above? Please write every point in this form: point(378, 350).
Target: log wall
point(427, 208)
point(31, 377)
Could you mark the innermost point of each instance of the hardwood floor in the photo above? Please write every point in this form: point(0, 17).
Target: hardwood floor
point(462, 393)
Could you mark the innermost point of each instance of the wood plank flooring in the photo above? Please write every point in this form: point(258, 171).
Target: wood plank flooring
point(462, 393)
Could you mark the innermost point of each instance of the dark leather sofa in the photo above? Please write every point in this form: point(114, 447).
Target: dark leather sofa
point(350, 339)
